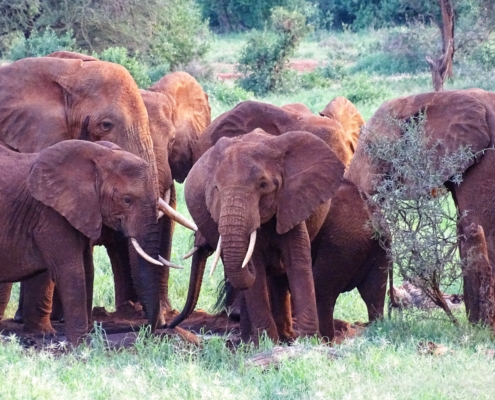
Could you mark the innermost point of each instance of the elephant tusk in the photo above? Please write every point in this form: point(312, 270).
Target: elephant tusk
point(190, 253)
point(167, 196)
point(249, 254)
point(167, 200)
point(169, 264)
point(142, 253)
point(217, 256)
point(176, 216)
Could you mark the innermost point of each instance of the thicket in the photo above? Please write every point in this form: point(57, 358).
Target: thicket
point(265, 58)
point(168, 32)
point(415, 208)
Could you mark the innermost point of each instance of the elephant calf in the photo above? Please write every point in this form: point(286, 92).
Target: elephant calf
point(53, 204)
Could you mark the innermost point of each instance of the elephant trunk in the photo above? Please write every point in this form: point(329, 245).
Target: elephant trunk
point(195, 281)
point(147, 276)
point(235, 229)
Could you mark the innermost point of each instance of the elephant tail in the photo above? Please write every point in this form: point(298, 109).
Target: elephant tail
point(393, 303)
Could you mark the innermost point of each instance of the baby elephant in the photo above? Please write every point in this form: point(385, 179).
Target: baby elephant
point(53, 203)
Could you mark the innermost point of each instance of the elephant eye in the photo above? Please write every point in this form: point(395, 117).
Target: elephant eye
point(127, 200)
point(106, 126)
point(263, 185)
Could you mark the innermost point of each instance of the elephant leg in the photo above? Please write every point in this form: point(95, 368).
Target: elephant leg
point(5, 290)
point(245, 322)
point(89, 272)
point(57, 313)
point(118, 252)
point(373, 288)
point(296, 257)
point(37, 303)
point(281, 306)
point(258, 305)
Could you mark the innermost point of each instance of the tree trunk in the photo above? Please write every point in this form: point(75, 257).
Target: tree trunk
point(479, 282)
point(441, 68)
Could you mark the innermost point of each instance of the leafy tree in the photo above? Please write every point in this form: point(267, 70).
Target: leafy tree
point(264, 59)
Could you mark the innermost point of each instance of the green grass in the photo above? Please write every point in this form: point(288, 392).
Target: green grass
point(382, 364)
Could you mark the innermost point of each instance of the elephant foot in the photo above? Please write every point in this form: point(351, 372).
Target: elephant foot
point(39, 329)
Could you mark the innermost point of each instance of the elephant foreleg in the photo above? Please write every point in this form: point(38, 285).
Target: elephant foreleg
point(37, 303)
point(296, 257)
point(281, 306)
point(258, 305)
point(89, 272)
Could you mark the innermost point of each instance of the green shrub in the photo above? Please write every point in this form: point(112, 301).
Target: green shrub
point(264, 60)
point(484, 54)
point(180, 36)
point(40, 44)
point(360, 88)
point(120, 56)
point(226, 95)
point(403, 51)
point(314, 79)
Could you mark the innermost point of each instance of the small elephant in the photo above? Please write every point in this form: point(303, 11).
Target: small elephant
point(252, 195)
point(55, 202)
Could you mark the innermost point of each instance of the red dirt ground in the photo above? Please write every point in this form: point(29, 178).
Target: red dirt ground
point(228, 70)
point(121, 328)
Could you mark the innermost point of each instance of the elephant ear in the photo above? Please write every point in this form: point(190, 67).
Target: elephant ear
point(71, 55)
point(454, 119)
point(64, 177)
point(345, 112)
point(33, 114)
point(190, 115)
point(312, 174)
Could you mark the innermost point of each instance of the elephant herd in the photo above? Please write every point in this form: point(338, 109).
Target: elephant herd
point(278, 193)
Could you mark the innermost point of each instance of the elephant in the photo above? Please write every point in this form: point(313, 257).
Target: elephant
point(55, 203)
point(454, 119)
point(178, 112)
point(46, 100)
point(340, 134)
point(264, 186)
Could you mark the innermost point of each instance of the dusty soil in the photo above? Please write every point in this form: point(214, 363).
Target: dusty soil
point(121, 328)
point(225, 71)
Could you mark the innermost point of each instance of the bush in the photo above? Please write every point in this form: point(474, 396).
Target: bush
point(226, 95)
point(314, 79)
point(180, 35)
point(403, 51)
point(162, 31)
point(238, 15)
point(264, 60)
point(360, 88)
point(415, 207)
point(120, 56)
point(484, 54)
point(40, 44)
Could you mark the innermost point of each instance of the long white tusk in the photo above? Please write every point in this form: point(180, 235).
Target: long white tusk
point(191, 252)
point(143, 254)
point(176, 216)
point(249, 254)
point(217, 256)
point(169, 264)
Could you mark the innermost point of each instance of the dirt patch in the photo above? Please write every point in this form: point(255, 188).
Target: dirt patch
point(121, 329)
point(226, 71)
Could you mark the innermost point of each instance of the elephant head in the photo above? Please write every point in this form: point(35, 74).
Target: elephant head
point(274, 120)
point(242, 183)
point(49, 99)
point(99, 184)
point(179, 112)
point(454, 119)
